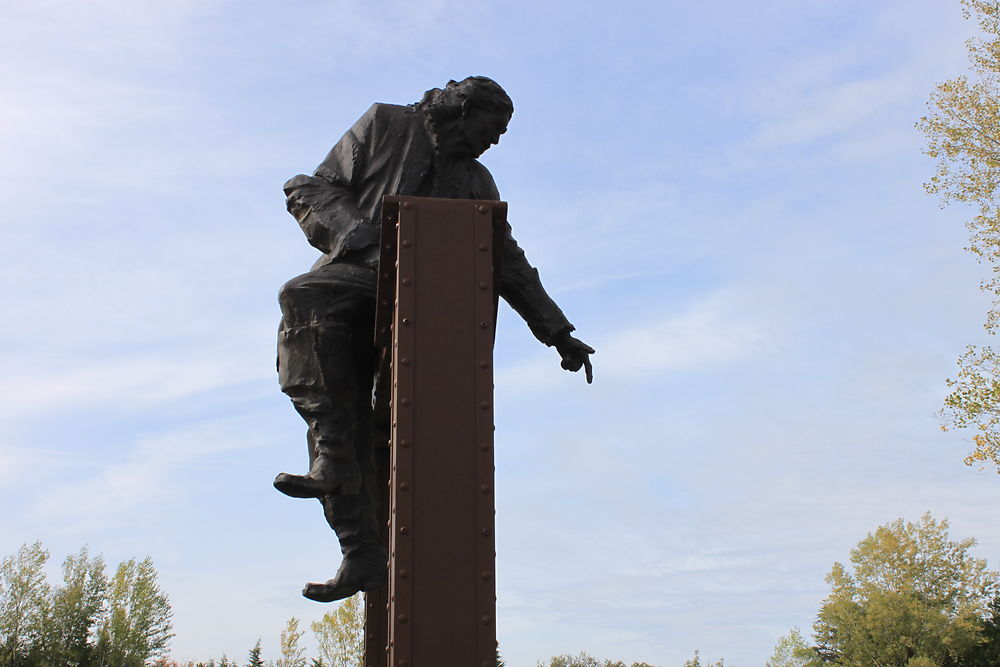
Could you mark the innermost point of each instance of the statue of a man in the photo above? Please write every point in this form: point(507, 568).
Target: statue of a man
point(326, 355)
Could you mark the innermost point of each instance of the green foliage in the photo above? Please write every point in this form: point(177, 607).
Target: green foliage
point(791, 651)
point(695, 661)
point(75, 609)
point(84, 622)
point(963, 135)
point(24, 605)
point(292, 655)
point(137, 624)
point(253, 658)
point(584, 659)
point(340, 634)
point(913, 593)
point(987, 653)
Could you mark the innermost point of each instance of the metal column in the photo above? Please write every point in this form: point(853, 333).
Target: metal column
point(437, 288)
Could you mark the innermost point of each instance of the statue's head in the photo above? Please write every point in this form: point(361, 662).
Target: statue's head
point(467, 116)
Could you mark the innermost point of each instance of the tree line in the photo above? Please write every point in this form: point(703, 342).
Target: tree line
point(910, 596)
point(339, 637)
point(88, 620)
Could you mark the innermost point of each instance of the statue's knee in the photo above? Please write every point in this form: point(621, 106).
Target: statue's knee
point(293, 298)
point(307, 400)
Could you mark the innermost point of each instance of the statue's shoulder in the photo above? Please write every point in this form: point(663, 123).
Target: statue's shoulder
point(391, 114)
point(486, 187)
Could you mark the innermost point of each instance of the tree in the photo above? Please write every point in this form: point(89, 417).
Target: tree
point(137, 624)
point(584, 659)
point(963, 135)
point(292, 655)
point(74, 610)
point(913, 593)
point(790, 651)
point(253, 658)
point(340, 634)
point(24, 605)
point(695, 661)
point(987, 653)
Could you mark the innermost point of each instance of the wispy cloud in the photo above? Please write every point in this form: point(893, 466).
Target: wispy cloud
point(124, 383)
point(149, 473)
point(716, 330)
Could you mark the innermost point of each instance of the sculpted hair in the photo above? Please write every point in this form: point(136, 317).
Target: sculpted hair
point(478, 91)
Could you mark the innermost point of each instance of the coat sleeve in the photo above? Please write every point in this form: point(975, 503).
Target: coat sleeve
point(325, 204)
point(522, 289)
point(520, 285)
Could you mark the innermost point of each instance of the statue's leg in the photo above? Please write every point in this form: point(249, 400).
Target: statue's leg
point(355, 517)
point(326, 321)
point(325, 365)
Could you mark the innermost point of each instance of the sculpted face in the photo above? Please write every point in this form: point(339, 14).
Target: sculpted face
point(471, 134)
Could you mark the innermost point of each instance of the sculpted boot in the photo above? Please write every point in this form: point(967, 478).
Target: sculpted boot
point(365, 563)
point(332, 470)
point(317, 371)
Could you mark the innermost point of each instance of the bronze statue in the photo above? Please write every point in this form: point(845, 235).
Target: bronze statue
point(326, 354)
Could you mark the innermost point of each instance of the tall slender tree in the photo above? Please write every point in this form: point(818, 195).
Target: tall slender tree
point(253, 658)
point(24, 605)
point(292, 655)
point(75, 608)
point(340, 634)
point(137, 625)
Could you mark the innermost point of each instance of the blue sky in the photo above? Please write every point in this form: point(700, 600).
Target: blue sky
point(725, 199)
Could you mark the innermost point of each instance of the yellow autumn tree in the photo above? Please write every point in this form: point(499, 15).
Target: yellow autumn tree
point(340, 634)
point(963, 135)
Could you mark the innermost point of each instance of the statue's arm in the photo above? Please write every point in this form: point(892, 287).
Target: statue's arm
point(325, 204)
point(521, 287)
